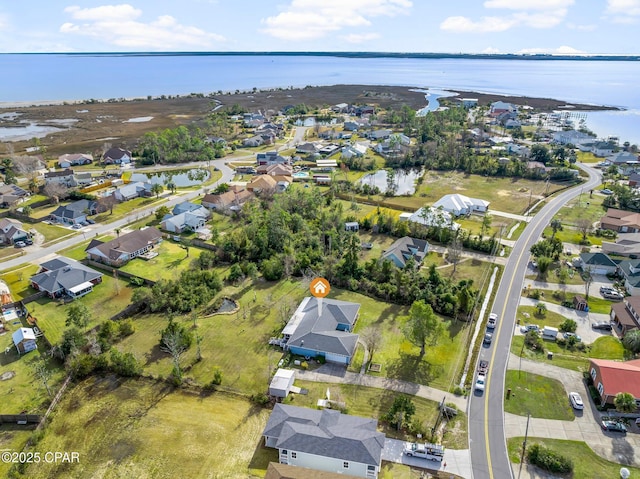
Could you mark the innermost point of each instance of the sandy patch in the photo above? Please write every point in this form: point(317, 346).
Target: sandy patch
point(7, 375)
point(139, 119)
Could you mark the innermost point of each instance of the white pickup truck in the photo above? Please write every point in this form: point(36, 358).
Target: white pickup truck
point(433, 452)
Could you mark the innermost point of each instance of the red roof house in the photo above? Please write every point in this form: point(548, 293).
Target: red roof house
point(613, 377)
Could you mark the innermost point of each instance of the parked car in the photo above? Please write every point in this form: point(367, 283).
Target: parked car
point(90, 221)
point(614, 426)
point(433, 452)
point(576, 400)
point(28, 241)
point(481, 380)
point(19, 244)
point(603, 325)
point(487, 338)
point(606, 191)
point(529, 327)
point(76, 227)
point(568, 335)
point(606, 289)
point(493, 319)
point(615, 295)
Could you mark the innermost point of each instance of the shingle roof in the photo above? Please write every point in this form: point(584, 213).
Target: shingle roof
point(75, 209)
point(619, 376)
point(320, 332)
point(326, 433)
point(623, 314)
point(66, 275)
point(596, 259)
point(407, 247)
point(127, 243)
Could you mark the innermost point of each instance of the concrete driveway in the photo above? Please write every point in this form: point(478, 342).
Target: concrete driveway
point(456, 461)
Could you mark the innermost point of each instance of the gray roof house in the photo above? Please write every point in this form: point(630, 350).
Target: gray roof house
point(325, 440)
point(630, 270)
point(326, 332)
point(626, 244)
point(132, 190)
point(65, 277)
point(117, 156)
point(61, 177)
point(597, 263)
point(124, 248)
point(404, 248)
point(74, 213)
point(187, 221)
point(11, 231)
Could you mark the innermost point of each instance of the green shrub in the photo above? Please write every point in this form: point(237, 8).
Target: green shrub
point(569, 325)
point(217, 377)
point(535, 294)
point(125, 328)
point(136, 281)
point(458, 391)
point(304, 365)
point(549, 460)
point(260, 398)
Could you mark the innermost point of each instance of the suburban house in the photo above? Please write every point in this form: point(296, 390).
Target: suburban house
point(307, 148)
point(133, 190)
point(626, 315)
point(124, 248)
point(634, 180)
point(458, 204)
point(282, 382)
point(431, 217)
point(253, 141)
point(625, 161)
point(620, 221)
point(74, 213)
point(262, 184)
point(74, 159)
point(186, 217)
point(613, 377)
point(626, 244)
point(275, 169)
point(596, 263)
point(231, 200)
point(378, 134)
point(497, 108)
point(314, 332)
point(65, 277)
point(11, 231)
point(271, 158)
point(352, 126)
point(24, 339)
point(325, 440)
point(352, 226)
point(469, 102)
point(356, 150)
point(630, 271)
point(11, 195)
point(117, 156)
point(537, 168)
point(62, 177)
point(602, 149)
point(570, 137)
point(403, 249)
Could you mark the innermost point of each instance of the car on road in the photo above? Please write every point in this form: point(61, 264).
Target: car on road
point(487, 338)
point(19, 244)
point(481, 380)
point(76, 227)
point(529, 327)
point(568, 335)
point(613, 426)
point(433, 452)
point(576, 400)
point(602, 325)
point(493, 319)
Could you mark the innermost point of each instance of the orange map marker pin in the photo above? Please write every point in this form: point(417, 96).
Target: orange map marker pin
point(319, 288)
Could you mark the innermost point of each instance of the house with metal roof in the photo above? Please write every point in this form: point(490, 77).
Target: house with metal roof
point(24, 339)
point(124, 248)
point(65, 277)
point(613, 377)
point(325, 440)
point(405, 248)
point(323, 330)
point(458, 204)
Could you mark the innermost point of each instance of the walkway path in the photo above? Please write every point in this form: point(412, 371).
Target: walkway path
point(328, 373)
point(513, 216)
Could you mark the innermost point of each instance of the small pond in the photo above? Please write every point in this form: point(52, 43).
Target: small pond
point(432, 96)
point(181, 178)
point(405, 180)
point(227, 306)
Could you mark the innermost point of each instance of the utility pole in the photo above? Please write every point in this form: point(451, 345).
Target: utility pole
point(524, 444)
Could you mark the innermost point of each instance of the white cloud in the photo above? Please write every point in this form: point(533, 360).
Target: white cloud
point(119, 25)
point(528, 4)
point(562, 50)
point(360, 37)
point(485, 25)
point(582, 28)
point(623, 7)
point(310, 19)
point(491, 51)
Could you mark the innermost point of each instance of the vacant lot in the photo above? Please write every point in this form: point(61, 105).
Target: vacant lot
point(537, 395)
point(144, 429)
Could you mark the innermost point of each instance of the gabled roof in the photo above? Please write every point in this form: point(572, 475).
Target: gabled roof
point(67, 274)
point(187, 206)
point(326, 433)
point(623, 313)
point(192, 219)
point(262, 182)
point(229, 198)
point(622, 157)
point(308, 329)
point(21, 334)
point(405, 248)
point(455, 202)
point(57, 174)
point(75, 209)
point(125, 244)
point(617, 217)
point(116, 154)
point(619, 376)
point(133, 189)
point(596, 259)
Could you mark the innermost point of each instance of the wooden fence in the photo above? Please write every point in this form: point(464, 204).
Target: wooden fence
point(116, 271)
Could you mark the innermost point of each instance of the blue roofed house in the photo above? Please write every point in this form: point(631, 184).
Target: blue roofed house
point(405, 248)
point(325, 440)
point(323, 333)
point(74, 213)
point(65, 277)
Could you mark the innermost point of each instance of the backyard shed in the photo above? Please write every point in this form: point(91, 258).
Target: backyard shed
point(282, 383)
point(580, 303)
point(24, 340)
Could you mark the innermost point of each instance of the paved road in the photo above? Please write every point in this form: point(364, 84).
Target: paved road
point(456, 461)
point(486, 419)
point(35, 254)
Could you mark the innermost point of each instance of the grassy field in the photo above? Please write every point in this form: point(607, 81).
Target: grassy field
point(121, 210)
point(586, 463)
point(596, 304)
point(52, 233)
point(605, 347)
point(13, 438)
point(372, 402)
point(143, 429)
point(550, 318)
point(17, 280)
point(78, 252)
point(107, 299)
point(536, 395)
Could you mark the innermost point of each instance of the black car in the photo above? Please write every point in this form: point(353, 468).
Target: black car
point(487, 338)
point(603, 326)
point(613, 426)
point(28, 241)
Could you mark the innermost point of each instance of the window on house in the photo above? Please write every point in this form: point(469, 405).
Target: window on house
point(293, 455)
point(345, 464)
point(600, 388)
point(593, 373)
point(284, 452)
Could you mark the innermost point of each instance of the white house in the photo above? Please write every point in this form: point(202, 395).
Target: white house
point(24, 340)
point(458, 204)
point(432, 217)
point(325, 440)
point(357, 150)
point(73, 159)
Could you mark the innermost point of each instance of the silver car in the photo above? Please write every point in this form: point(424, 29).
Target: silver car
point(576, 400)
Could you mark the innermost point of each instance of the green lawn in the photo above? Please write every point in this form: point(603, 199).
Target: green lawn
point(536, 395)
point(121, 210)
point(52, 233)
point(573, 236)
point(13, 438)
point(143, 429)
point(596, 304)
point(9, 252)
point(78, 252)
point(107, 299)
point(587, 464)
point(17, 280)
point(373, 402)
point(550, 318)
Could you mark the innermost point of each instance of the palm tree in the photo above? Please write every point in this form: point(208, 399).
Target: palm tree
point(156, 189)
point(631, 341)
point(625, 402)
point(556, 225)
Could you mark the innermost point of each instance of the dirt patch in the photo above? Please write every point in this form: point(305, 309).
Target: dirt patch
point(504, 193)
point(7, 375)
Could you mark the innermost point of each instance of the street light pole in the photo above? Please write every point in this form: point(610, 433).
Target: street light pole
point(524, 445)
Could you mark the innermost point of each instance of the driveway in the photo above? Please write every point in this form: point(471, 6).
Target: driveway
point(456, 461)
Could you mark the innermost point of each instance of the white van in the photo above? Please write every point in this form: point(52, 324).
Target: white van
point(550, 333)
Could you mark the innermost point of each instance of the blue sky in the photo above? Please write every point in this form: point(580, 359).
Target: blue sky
point(454, 26)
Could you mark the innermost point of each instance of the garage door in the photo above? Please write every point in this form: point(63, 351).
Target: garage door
point(336, 358)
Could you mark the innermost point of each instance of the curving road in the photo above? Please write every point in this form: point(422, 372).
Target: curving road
point(487, 439)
